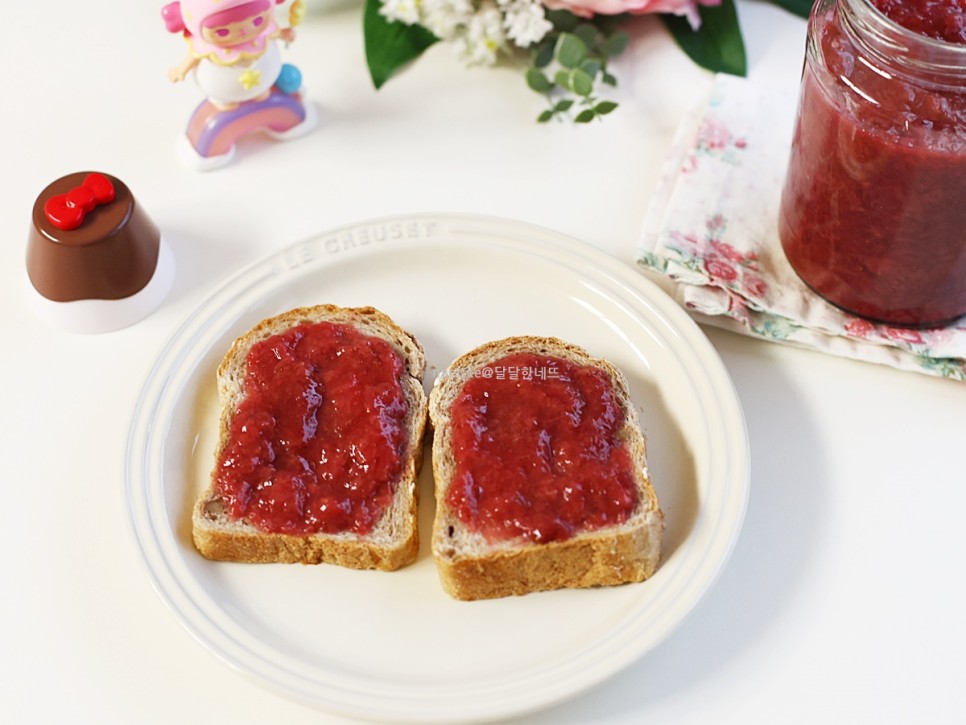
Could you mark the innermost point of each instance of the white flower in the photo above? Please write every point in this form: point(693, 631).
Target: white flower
point(445, 18)
point(405, 11)
point(484, 37)
point(525, 21)
point(479, 29)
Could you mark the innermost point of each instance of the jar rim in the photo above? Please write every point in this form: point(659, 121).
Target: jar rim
point(894, 44)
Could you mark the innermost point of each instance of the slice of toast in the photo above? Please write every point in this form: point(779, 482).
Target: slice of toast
point(472, 565)
point(393, 542)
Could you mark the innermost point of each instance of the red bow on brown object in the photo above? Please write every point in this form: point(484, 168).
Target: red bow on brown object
point(67, 211)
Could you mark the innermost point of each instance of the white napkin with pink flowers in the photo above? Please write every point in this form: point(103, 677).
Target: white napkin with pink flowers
point(712, 230)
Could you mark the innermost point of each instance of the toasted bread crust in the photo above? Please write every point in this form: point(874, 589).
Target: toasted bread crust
point(394, 542)
point(253, 546)
point(470, 568)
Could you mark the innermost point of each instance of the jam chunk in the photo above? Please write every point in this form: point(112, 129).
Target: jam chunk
point(940, 19)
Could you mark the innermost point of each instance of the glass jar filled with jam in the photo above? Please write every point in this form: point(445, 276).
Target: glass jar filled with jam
point(873, 212)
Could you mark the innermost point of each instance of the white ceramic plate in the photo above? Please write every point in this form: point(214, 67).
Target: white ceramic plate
point(393, 646)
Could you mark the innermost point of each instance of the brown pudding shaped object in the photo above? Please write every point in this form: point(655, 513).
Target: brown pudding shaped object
point(112, 255)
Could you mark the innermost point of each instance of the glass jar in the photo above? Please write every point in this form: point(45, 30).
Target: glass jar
point(873, 212)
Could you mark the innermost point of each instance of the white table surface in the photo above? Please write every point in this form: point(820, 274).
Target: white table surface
point(841, 602)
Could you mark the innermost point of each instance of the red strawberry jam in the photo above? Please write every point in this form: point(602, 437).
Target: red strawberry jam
point(538, 452)
point(873, 215)
point(317, 443)
point(940, 19)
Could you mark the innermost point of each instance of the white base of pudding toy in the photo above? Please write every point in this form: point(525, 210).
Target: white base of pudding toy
point(98, 316)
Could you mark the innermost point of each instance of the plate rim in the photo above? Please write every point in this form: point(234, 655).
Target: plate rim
point(551, 243)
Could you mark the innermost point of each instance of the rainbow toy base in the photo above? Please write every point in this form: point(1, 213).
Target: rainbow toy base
point(209, 142)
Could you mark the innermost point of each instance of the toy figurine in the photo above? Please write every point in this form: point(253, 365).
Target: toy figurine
point(234, 56)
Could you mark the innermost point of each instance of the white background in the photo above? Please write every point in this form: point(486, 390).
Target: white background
point(843, 601)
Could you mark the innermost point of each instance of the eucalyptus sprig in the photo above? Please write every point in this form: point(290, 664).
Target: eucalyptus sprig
point(569, 62)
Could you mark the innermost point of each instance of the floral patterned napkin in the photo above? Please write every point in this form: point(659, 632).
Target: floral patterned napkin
point(712, 230)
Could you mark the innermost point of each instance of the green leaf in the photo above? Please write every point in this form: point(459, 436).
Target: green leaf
point(615, 44)
point(543, 55)
point(563, 106)
point(591, 67)
point(583, 83)
point(538, 81)
point(563, 20)
point(604, 107)
point(545, 116)
point(609, 79)
point(570, 50)
point(587, 33)
point(585, 116)
point(717, 45)
point(391, 45)
point(608, 24)
point(801, 8)
point(562, 79)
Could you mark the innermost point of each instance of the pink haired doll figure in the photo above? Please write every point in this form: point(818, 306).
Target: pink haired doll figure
point(234, 56)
